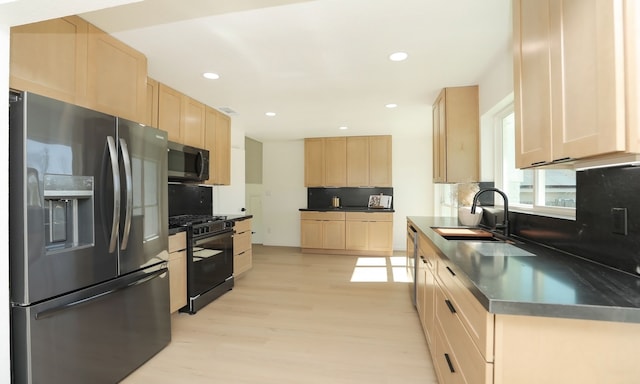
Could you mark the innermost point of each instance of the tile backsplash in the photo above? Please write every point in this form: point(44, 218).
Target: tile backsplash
point(607, 225)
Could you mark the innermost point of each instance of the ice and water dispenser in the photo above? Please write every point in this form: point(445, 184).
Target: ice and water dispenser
point(68, 211)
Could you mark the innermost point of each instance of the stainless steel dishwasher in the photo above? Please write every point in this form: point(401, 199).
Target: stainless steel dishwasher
point(412, 263)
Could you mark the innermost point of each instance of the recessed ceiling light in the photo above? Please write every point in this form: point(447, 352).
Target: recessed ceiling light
point(270, 114)
point(343, 128)
point(210, 75)
point(391, 105)
point(398, 56)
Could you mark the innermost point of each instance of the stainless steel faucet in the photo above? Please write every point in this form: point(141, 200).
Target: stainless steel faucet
point(505, 224)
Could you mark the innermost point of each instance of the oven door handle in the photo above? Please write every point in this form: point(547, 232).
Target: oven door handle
point(206, 239)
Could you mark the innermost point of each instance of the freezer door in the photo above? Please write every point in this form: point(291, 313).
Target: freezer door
point(97, 335)
point(61, 198)
point(143, 216)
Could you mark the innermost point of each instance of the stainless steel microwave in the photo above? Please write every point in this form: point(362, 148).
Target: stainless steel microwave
point(187, 164)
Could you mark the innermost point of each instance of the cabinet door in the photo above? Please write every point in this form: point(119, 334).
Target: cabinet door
point(170, 112)
point(358, 161)
point(462, 120)
point(151, 115)
point(421, 280)
point(314, 162)
point(335, 161)
point(222, 150)
point(532, 82)
point(333, 235)
point(587, 68)
point(311, 233)
point(194, 118)
point(50, 58)
point(357, 235)
point(380, 235)
point(177, 280)
point(210, 121)
point(439, 140)
point(116, 77)
point(380, 161)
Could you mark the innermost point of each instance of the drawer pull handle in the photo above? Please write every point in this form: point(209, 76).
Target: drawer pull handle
point(449, 363)
point(451, 271)
point(451, 307)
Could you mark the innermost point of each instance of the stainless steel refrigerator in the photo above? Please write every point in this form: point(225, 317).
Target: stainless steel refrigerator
point(88, 245)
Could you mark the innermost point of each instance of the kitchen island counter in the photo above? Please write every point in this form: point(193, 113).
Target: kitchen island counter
point(550, 284)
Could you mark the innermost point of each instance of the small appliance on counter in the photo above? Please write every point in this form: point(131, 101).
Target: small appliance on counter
point(335, 202)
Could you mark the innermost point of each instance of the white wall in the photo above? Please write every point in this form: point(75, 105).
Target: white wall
point(5, 362)
point(229, 199)
point(284, 192)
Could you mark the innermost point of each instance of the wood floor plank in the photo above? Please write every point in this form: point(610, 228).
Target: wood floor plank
point(297, 318)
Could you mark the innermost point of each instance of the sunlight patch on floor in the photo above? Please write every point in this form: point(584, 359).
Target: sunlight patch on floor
point(380, 270)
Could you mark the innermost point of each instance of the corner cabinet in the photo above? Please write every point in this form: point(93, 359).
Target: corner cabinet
point(456, 133)
point(177, 271)
point(575, 100)
point(242, 250)
point(354, 161)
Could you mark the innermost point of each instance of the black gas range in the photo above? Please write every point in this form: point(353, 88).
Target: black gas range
point(201, 224)
point(209, 244)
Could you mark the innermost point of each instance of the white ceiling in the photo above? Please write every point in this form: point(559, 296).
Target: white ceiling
point(319, 64)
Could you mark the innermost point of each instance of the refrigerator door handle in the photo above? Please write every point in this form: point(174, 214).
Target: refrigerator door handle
point(129, 185)
point(113, 154)
point(53, 311)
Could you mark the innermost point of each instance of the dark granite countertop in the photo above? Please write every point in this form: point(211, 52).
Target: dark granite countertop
point(551, 283)
point(239, 217)
point(348, 209)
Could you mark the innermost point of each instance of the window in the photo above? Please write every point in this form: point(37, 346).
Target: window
point(550, 192)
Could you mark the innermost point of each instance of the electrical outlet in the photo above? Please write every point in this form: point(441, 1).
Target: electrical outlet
point(619, 221)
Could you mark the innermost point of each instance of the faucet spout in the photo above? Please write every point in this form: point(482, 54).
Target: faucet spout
point(505, 223)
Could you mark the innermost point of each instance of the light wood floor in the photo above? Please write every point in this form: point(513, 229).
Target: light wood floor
point(297, 318)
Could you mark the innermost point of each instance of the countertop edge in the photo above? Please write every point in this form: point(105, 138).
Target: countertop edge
point(495, 306)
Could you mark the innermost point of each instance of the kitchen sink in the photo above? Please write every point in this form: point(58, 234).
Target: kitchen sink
point(474, 234)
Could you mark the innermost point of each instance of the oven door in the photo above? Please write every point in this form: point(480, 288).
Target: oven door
point(211, 262)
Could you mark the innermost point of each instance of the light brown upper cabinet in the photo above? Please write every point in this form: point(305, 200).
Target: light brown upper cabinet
point(71, 60)
point(576, 79)
point(222, 151)
point(314, 162)
point(116, 77)
point(456, 131)
point(170, 112)
point(218, 142)
point(50, 58)
point(354, 161)
point(151, 115)
point(369, 161)
point(335, 160)
point(193, 120)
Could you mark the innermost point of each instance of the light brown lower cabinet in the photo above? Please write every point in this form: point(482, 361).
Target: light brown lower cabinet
point(470, 345)
point(353, 233)
point(177, 271)
point(242, 250)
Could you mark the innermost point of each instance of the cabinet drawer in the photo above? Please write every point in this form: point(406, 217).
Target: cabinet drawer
point(241, 242)
point(317, 215)
point(242, 262)
point(469, 359)
point(177, 242)
point(453, 366)
point(475, 319)
point(369, 216)
point(242, 226)
point(426, 249)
